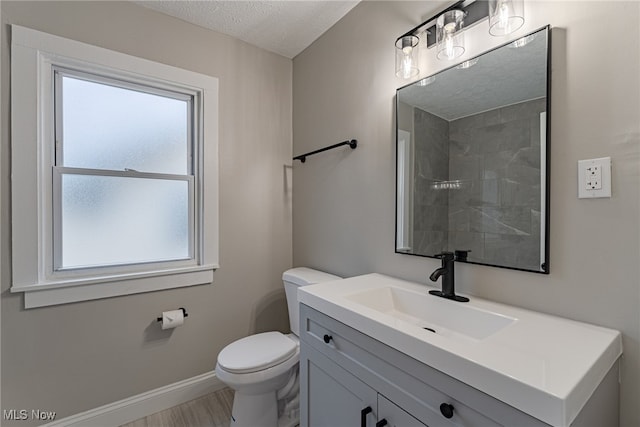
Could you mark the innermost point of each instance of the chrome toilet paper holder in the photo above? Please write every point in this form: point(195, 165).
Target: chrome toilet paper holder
point(184, 312)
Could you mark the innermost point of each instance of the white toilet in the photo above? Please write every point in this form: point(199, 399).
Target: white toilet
point(262, 369)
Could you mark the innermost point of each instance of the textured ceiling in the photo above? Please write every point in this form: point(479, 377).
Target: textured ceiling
point(283, 27)
point(501, 77)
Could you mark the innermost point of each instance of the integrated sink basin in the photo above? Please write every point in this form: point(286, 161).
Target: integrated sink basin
point(433, 314)
point(543, 365)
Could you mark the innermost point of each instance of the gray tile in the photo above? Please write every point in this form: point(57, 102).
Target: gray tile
point(429, 243)
point(505, 136)
point(513, 193)
point(513, 251)
point(459, 219)
point(430, 218)
point(519, 165)
point(431, 166)
point(468, 166)
point(427, 195)
point(501, 220)
point(476, 193)
point(427, 120)
point(462, 145)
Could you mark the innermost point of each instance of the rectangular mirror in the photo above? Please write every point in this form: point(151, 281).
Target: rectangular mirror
point(472, 159)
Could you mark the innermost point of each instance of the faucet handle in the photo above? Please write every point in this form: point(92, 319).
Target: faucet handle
point(447, 256)
point(461, 255)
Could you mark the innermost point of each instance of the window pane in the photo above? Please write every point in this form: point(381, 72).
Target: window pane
point(107, 127)
point(109, 220)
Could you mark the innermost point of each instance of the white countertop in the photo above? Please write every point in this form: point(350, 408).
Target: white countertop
point(545, 366)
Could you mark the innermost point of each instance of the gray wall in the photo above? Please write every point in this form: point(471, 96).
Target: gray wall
point(76, 357)
point(344, 208)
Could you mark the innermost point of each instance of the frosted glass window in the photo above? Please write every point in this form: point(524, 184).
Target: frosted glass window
point(124, 174)
point(108, 220)
point(104, 126)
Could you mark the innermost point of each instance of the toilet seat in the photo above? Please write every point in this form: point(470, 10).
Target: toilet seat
point(256, 352)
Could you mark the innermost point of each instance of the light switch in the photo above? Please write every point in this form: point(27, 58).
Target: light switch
point(594, 178)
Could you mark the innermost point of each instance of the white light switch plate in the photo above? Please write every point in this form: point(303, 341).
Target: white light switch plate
point(594, 178)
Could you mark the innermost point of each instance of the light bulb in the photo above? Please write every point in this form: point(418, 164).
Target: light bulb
point(407, 63)
point(503, 20)
point(448, 47)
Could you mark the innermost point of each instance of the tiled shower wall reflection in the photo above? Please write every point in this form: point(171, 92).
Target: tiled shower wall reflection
point(477, 184)
point(430, 206)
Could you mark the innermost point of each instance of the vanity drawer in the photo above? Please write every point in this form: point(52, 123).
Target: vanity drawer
point(400, 378)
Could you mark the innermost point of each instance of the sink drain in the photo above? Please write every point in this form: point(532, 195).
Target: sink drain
point(429, 329)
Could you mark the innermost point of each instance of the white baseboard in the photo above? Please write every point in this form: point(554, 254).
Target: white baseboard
point(141, 405)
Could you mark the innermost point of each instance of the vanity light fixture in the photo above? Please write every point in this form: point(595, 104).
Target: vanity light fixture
point(407, 56)
point(445, 30)
point(505, 16)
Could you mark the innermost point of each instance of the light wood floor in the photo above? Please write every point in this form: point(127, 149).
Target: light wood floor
point(212, 410)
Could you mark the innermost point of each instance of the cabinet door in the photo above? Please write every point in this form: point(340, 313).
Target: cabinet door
point(394, 415)
point(331, 396)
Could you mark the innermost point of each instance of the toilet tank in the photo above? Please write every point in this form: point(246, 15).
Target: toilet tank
point(293, 279)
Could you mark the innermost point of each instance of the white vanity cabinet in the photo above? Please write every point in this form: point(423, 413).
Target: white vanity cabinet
point(348, 379)
point(337, 398)
point(334, 396)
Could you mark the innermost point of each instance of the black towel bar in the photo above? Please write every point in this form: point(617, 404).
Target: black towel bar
point(303, 157)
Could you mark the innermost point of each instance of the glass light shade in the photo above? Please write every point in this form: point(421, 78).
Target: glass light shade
point(407, 55)
point(449, 37)
point(505, 16)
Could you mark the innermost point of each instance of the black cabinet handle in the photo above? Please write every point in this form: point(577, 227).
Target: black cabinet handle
point(383, 422)
point(327, 338)
point(447, 410)
point(363, 413)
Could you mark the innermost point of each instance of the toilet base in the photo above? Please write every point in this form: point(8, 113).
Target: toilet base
point(254, 410)
point(261, 411)
point(288, 421)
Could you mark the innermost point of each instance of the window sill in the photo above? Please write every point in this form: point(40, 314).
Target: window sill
point(68, 291)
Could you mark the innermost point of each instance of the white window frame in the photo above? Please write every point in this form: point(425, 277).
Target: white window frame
point(34, 57)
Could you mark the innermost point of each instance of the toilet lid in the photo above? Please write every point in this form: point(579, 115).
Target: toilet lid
point(256, 352)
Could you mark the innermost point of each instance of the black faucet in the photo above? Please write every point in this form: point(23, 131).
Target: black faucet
point(448, 278)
